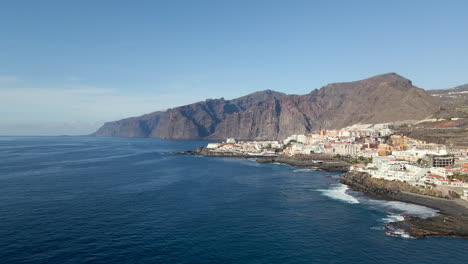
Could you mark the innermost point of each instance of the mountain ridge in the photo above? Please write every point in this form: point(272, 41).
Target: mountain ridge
point(456, 89)
point(269, 114)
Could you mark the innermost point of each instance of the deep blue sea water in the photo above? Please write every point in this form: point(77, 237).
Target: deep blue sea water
point(116, 200)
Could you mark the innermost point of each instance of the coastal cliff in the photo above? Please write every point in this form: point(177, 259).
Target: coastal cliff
point(271, 115)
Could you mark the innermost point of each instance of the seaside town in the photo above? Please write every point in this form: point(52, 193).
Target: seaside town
point(375, 150)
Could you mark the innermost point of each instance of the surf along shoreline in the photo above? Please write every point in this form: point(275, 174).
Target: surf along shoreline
point(451, 222)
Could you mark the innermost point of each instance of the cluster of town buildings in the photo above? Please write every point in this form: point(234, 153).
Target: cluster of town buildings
point(248, 148)
point(393, 157)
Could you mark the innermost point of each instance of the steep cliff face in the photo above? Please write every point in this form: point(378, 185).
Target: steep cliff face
point(272, 115)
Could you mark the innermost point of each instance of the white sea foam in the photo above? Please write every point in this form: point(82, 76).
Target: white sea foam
point(395, 212)
point(277, 163)
point(390, 218)
point(400, 208)
point(393, 217)
point(338, 192)
point(305, 170)
point(399, 233)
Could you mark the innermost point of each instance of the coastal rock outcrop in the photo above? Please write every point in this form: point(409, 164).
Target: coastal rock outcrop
point(318, 161)
point(437, 226)
point(273, 115)
point(453, 220)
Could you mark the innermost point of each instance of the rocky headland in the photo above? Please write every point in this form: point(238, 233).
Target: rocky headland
point(206, 152)
point(452, 221)
point(321, 162)
point(318, 161)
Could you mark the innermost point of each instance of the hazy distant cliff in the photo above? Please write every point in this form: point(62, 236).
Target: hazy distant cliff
point(272, 115)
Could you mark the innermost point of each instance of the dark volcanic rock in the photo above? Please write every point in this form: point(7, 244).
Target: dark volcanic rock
point(452, 222)
point(205, 152)
point(272, 115)
point(319, 161)
point(438, 226)
point(323, 163)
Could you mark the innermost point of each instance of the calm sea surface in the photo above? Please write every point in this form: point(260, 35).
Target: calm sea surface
point(114, 200)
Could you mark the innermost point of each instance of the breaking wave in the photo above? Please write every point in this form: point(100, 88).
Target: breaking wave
point(338, 192)
point(395, 212)
point(393, 217)
point(402, 208)
point(305, 170)
point(398, 233)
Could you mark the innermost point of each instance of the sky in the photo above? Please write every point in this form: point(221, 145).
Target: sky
point(66, 67)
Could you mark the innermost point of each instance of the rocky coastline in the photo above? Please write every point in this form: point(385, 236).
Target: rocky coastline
point(205, 152)
point(452, 221)
point(320, 162)
point(301, 161)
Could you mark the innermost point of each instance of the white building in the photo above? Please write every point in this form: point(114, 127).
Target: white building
point(230, 141)
point(213, 145)
point(442, 171)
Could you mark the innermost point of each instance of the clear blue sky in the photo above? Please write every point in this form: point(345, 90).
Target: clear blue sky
point(67, 66)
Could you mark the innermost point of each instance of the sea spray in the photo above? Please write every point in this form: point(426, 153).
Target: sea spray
point(393, 217)
point(395, 212)
point(338, 192)
point(401, 208)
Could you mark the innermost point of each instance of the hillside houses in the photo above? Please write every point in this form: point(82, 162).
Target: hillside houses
point(394, 157)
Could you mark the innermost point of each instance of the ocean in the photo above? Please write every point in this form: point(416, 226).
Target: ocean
point(121, 200)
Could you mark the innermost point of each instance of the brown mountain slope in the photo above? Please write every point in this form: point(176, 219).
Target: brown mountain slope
point(272, 115)
point(452, 129)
